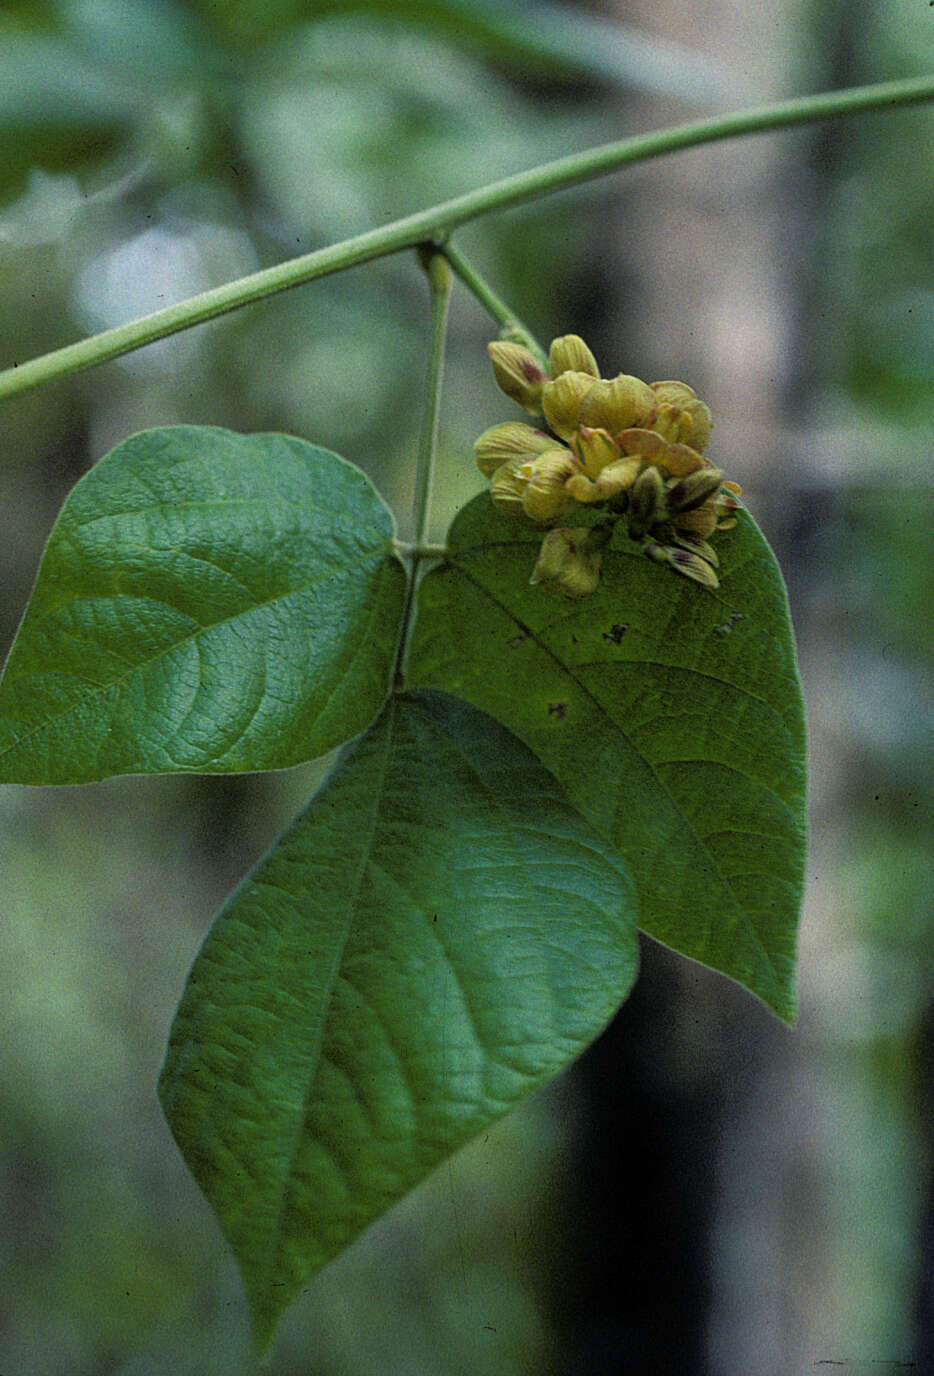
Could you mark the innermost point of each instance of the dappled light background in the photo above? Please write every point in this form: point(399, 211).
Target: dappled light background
point(707, 1191)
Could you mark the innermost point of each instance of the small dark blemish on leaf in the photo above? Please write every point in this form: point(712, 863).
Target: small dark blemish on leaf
point(558, 709)
point(728, 624)
point(615, 634)
point(518, 639)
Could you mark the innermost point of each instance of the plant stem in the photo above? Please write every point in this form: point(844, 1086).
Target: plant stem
point(409, 550)
point(512, 327)
point(437, 220)
point(435, 263)
point(438, 271)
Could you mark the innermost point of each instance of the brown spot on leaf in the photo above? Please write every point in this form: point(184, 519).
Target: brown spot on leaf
point(615, 634)
point(728, 624)
point(558, 710)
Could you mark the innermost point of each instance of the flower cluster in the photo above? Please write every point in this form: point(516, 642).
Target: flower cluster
point(633, 450)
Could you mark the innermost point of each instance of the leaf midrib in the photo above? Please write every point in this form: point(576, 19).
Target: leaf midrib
point(738, 912)
point(273, 1249)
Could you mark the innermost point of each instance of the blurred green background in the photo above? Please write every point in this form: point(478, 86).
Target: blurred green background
point(707, 1191)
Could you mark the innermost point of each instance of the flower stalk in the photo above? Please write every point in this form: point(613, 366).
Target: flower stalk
point(438, 272)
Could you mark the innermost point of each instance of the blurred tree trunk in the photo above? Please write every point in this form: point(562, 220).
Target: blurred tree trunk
point(691, 1206)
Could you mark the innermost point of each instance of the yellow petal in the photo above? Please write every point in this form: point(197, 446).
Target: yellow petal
point(512, 440)
point(617, 477)
point(675, 392)
point(698, 436)
point(679, 416)
point(680, 460)
point(562, 399)
point(545, 498)
point(506, 488)
point(617, 403)
point(569, 354)
point(594, 449)
point(569, 561)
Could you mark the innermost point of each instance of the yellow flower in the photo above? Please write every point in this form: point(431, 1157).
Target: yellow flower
point(507, 487)
point(545, 498)
point(678, 415)
point(532, 491)
point(633, 448)
point(571, 560)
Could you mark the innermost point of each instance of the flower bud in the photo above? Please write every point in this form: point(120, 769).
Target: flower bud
point(512, 440)
point(696, 546)
point(700, 522)
point(726, 504)
point(545, 499)
point(594, 449)
point(569, 354)
point(694, 490)
point(518, 374)
point(617, 403)
point(646, 503)
point(683, 561)
point(694, 567)
point(562, 400)
point(570, 559)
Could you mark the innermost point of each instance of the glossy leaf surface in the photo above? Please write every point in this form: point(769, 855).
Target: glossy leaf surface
point(433, 938)
point(671, 713)
point(206, 602)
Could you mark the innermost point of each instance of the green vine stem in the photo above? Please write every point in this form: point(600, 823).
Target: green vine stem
point(438, 272)
point(433, 223)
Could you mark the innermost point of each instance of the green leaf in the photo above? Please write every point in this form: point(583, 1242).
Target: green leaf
point(671, 714)
point(207, 602)
point(433, 938)
point(534, 37)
